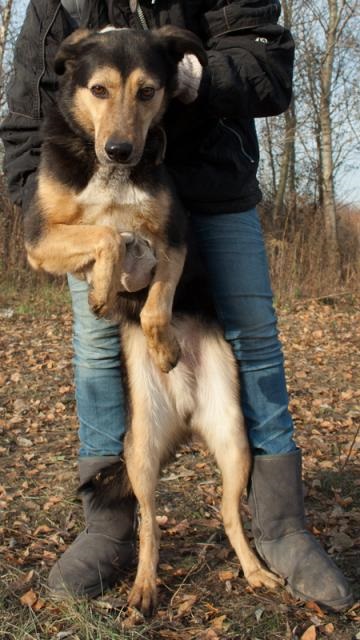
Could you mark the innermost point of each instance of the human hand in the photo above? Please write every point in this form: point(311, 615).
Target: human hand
point(189, 74)
point(138, 264)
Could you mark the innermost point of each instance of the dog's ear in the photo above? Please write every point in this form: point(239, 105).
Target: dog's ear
point(180, 41)
point(69, 50)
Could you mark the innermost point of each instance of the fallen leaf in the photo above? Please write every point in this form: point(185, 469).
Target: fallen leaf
point(186, 605)
point(226, 575)
point(64, 389)
point(347, 395)
point(258, 613)
point(39, 604)
point(29, 576)
point(24, 442)
point(329, 628)
point(19, 405)
point(315, 607)
point(309, 634)
point(51, 502)
point(209, 634)
point(181, 527)
point(43, 528)
point(64, 634)
point(29, 598)
point(218, 623)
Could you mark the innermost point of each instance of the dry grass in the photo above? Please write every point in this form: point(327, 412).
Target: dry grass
point(301, 265)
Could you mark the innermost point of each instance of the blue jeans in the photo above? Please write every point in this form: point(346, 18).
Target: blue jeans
point(233, 250)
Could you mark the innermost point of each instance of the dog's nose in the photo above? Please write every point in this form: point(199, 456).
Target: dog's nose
point(118, 151)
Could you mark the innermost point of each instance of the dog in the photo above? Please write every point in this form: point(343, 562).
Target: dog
point(102, 175)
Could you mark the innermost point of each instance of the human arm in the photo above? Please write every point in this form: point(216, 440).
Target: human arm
point(250, 59)
point(29, 94)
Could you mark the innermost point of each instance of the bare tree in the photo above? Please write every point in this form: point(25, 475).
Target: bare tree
point(310, 145)
point(287, 161)
point(5, 16)
point(6, 8)
point(328, 64)
point(11, 228)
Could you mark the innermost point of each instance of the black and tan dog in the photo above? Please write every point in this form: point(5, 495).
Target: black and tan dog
point(101, 174)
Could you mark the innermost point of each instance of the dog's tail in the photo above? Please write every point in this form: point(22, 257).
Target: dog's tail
point(108, 486)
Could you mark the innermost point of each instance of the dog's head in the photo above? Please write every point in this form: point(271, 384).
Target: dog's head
point(115, 85)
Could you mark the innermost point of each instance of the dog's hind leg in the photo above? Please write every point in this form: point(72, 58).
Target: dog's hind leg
point(146, 444)
point(219, 420)
point(143, 470)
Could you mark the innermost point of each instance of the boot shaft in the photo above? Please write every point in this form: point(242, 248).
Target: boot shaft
point(276, 495)
point(118, 520)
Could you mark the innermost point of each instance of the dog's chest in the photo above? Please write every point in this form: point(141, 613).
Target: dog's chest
point(111, 199)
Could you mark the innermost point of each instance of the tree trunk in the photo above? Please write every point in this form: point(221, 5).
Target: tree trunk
point(286, 160)
point(270, 150)
point(326, 149)
point(4, 29)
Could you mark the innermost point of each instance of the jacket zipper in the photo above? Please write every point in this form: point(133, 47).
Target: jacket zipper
point(239, 138)
point(141, 17)
point(136, 8)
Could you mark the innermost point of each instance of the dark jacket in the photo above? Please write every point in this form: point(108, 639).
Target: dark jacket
point(212, 144)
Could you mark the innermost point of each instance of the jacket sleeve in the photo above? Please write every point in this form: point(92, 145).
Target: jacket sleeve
point(250, 59)
point(21, 128)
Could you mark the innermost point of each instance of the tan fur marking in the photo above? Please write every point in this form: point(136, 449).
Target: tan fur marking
point(57, 201)
point(95, 114)
point(139, 115)
point(77, 36)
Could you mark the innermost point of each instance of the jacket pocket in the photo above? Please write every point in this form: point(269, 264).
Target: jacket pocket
point(231, 144)
point(231, 128)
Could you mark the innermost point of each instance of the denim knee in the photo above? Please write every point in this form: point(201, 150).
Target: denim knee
point(256, 343)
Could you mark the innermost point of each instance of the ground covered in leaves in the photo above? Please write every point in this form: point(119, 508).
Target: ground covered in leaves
point(202, 593)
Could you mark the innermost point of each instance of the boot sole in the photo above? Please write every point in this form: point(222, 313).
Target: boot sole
point(91, 592)
point(337, 605)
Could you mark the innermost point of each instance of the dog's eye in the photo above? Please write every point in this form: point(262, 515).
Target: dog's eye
point(146, 93)
point(99, 91)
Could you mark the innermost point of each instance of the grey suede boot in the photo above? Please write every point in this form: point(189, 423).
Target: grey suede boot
point(92, 562)
point(281, 537)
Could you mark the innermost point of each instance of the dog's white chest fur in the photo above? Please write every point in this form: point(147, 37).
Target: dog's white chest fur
point(105, 196)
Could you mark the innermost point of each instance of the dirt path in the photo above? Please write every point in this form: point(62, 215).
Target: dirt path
point(202, 593)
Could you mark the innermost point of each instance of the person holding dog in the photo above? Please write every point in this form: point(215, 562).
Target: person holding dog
point(212, 155)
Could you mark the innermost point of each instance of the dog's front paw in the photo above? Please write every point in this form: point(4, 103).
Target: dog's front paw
point(143, 596)
point(166, 352)
point(102, 307)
